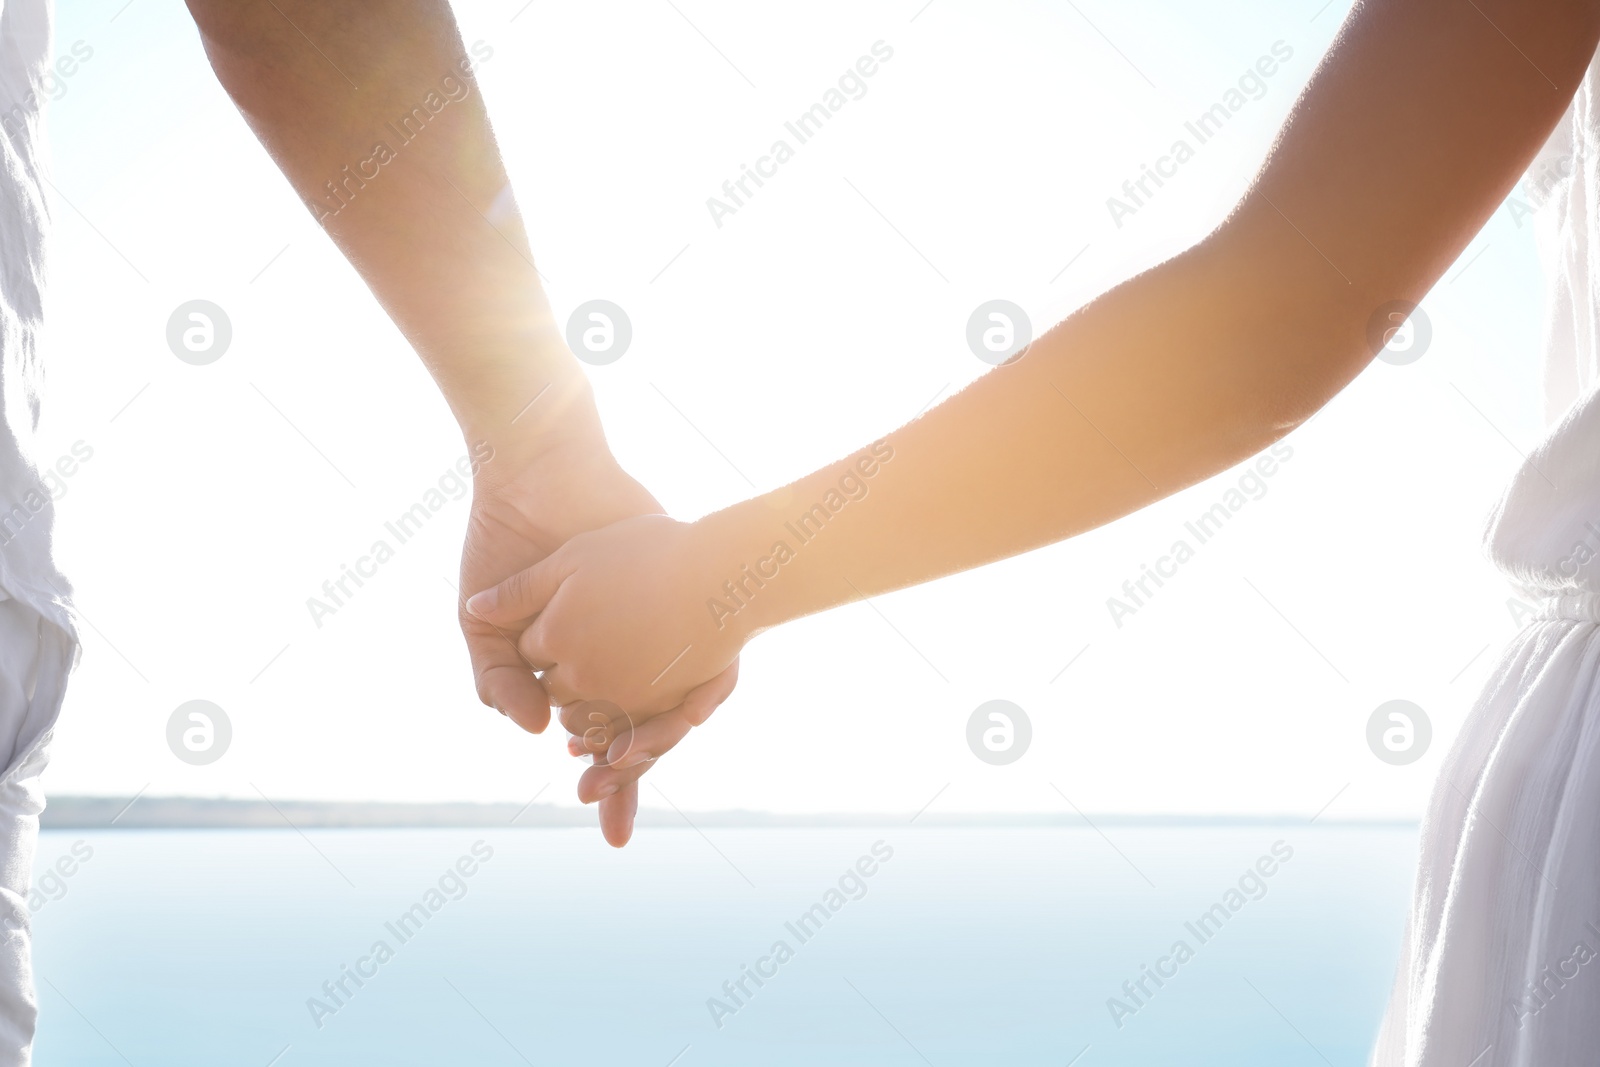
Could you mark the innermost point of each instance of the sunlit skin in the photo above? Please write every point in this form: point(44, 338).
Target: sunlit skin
point(1411, 133)
point(319, 81)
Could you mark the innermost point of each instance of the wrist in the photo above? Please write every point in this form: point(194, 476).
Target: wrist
point(531, 423)
point(786, 559)
point(747, 562)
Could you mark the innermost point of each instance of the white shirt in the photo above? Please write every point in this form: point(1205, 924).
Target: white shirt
point(27, 571)
point(37, 638)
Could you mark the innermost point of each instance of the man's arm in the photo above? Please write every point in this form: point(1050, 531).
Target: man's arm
point(371, 109)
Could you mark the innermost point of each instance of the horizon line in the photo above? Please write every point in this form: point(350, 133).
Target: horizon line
point(141, 812)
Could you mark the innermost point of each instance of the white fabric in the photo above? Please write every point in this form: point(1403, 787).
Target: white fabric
point(26, 511)
point(37, 639)
point(1501, 962)
point(35, 656)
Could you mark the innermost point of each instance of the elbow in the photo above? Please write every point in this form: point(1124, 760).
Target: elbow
point(247, 49)
point(223, 30)
point(1298, 332)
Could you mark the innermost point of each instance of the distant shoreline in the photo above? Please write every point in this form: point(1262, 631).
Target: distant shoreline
point(201, 813)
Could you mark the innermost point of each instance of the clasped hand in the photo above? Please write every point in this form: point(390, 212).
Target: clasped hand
point(613, 621)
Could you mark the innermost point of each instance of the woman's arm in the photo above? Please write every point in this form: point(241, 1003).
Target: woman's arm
point(1412, 131)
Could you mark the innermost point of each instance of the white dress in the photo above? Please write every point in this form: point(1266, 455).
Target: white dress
point(1501, 962)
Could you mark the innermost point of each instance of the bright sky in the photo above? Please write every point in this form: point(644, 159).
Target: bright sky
point(831, 307)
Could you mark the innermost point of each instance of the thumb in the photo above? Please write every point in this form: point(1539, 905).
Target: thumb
point(524, 594)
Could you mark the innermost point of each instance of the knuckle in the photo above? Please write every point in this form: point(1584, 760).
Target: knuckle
point(536, 643)
point(514, 591)
point(551, 639)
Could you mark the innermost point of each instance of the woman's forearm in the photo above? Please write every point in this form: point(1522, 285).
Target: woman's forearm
point(1157, 385)
point(1193, 366)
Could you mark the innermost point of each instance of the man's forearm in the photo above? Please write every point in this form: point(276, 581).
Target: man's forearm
point(372, 110)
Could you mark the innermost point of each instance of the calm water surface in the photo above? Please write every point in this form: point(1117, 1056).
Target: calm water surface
point(922, 946)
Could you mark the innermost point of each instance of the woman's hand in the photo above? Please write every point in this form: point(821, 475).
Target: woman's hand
point(625, 747)
point(623, 614)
